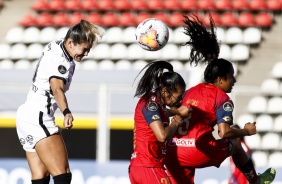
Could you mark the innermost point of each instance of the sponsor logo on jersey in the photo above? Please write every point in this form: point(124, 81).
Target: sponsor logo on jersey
point(22, 141)
point(227, 118)
point(62, 69)
point(29, 139)
point(152, 106)
point(183, 142)
point(227, 106)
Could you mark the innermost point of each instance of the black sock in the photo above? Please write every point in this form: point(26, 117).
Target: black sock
point(249, 171)
point(41, 181)
point(62, 178)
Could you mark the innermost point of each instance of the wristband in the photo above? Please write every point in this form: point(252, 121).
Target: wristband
point(66, 111)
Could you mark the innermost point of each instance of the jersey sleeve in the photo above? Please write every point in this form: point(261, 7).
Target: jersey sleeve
point(224, 112)
point(151, 112)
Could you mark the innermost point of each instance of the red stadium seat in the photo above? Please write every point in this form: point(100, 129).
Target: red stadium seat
point(95, 18)
point(122, 5)
point(89, 5)
point(76, 17)
point(44, 19)
point(126, 19)
point(246, 19)
point(139, 5)
point(206, 4)
point(28, 20)
point(257, 5)
point(274, 5)
point(263, 19)
point(240, 5)
point(57, 5)
point(40, 5)
point(106, 5)
point(172, 5)
point(215, 17)
point(161, 16)
point(189, 5)
point(61, 19)
point(110, 19)
point(223, 4)
point(73, 5)
point(155, 5)
point(229, 19)
point(142, 16)
point(176, 19)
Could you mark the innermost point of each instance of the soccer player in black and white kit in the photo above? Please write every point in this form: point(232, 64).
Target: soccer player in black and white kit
point(38, 133)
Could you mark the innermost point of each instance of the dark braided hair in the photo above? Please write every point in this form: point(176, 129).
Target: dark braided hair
point(205, 48)
point(154, 79)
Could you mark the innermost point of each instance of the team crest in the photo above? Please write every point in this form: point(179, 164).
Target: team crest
point(227, 106)
point(155, 117)
point(152, 106)
point(62, 69)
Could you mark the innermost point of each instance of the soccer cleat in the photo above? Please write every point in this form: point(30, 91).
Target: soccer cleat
point(268, 176)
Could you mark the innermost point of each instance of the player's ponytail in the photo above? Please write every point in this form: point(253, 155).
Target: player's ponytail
point(205, 48)
point(155, 78)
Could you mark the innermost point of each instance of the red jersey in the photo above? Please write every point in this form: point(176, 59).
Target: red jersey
point(148, 151)
point(193, 144)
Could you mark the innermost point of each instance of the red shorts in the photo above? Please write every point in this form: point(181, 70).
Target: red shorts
point(145, 175)
point(180, 174)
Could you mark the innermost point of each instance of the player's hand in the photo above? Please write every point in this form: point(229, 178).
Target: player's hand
point(185, 111)
point(68, 119)
point(177, 120)
point(250, 128)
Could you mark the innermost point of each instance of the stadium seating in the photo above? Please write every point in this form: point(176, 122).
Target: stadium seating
point(270, 141)
point(260, 158)
point(276, 70)
point(257, 104)
point(264, 123)
point(252, 36)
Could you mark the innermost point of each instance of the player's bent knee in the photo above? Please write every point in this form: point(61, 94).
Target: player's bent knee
point(45, 180)
point(62, 178)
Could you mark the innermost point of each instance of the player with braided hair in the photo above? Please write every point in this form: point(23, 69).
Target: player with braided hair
point(152, 128)
point(194, 145)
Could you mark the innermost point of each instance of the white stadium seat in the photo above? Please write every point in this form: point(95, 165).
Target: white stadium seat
point(240, 52)
point(114, 35)
point(34, 51)
point(153, 55)
point(128, 35)
point(257, 104)
point(61, 32)
point(5, 51)
point(15, 35)
point(276, 70)
point(270, 85)
point(139, 65)
point(277, 123)
point(134, 51)
point(47, 34)
point(170, 52)
point(260, 158)
point(118, 51)
point(184, 52)
point(264, 123)
point(106, 65)
point(123, 65)
point(270, 141)
point(275, 159)
point(31, 35)
point(254, 141)
point(177, 65)
point(89, 65)
point(274, 105)
point(252, 35)
point(6, 64)
point(220, 34)
point(22, 64)
point(225, 52)
point(233, 35)
point(100, 51)
point(179, 37)
point(18, 51)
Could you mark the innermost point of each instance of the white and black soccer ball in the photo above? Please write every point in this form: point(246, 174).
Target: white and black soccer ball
point(152, 34)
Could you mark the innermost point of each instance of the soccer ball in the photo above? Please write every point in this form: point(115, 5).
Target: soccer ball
point(152, 34)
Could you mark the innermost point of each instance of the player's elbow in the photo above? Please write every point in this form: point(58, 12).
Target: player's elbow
point(162, 138)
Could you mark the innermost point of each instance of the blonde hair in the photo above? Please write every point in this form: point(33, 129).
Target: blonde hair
point(85, 32)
